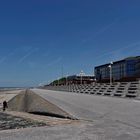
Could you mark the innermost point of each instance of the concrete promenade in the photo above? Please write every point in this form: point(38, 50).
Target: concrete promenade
point(101, 118)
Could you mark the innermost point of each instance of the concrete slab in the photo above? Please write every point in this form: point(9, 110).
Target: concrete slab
point(103, 118)
point(28, 101)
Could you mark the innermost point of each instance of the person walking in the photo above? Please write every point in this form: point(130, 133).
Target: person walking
point(5, 105)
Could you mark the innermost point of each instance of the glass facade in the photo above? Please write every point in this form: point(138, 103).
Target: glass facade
point(118, 70)
point(138, 68)
point(129, 67)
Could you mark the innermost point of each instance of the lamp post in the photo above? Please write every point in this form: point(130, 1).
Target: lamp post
point(58, 81)
point(81, 75)
point(49, 83)
point(110, 66)
point(66, 80)
point(95, 80)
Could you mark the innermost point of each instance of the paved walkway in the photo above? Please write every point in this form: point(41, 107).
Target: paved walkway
point(102, 118)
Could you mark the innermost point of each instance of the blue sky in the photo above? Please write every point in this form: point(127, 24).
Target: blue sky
point(38, 38)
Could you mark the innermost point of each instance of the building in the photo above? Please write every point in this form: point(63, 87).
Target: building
point(80, 79)
point(127, 69)
point(74, 79)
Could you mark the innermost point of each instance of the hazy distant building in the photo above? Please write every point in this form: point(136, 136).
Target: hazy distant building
point(127, 69)
point(77, 79)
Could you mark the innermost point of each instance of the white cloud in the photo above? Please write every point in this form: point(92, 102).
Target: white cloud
point(27, 55)
point(101, 30)
point(119, 53)
point(53, 62)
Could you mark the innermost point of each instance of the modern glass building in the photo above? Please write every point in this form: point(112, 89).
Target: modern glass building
point(127, 69)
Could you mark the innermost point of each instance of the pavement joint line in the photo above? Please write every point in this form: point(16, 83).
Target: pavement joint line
point(127, 124)
point(86, 120)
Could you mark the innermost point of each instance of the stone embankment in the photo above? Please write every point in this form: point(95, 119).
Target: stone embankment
point(28, 101)
point(27, 109)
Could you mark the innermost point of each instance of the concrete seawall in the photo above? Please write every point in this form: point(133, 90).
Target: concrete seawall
point(28, 101)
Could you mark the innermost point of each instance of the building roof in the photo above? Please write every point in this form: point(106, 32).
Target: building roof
point(119, 61)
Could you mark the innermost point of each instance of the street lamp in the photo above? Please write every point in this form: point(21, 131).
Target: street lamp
point(58, 81)
point(110, 66)
point(66, 80)
point(82, 74)
point(95, 80)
